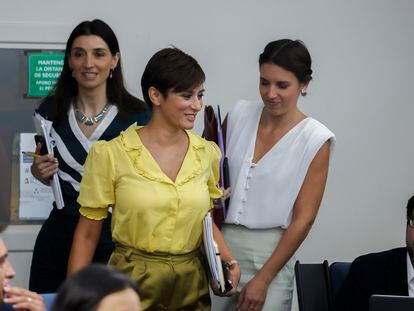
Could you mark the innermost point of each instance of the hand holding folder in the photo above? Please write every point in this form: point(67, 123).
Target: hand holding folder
point(218, 272)
point(43, 128)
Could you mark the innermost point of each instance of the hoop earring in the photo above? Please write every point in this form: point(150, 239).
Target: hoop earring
point(110, 73)
point(303, 93)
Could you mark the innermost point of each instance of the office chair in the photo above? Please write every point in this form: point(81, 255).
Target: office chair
point(338, 272)
point(48, 299)
point(313, 286)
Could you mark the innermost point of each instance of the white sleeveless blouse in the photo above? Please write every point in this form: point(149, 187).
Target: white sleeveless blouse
point(263, 194)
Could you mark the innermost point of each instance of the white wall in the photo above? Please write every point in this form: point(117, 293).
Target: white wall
point(362, 89)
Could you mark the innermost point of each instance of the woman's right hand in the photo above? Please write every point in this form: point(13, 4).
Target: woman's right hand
point(44, 167)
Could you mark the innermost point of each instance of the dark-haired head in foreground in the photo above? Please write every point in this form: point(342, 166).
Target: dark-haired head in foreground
point(97, 288)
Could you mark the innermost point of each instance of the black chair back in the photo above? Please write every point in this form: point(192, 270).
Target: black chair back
point(313, 286)
point(338, 272)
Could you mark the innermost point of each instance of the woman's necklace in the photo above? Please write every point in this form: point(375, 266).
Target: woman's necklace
point(91, 120)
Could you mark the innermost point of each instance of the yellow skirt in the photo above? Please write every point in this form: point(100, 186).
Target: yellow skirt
point(165, 281)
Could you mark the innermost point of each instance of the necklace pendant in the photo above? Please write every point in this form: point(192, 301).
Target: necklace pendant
point(98, 117)
point(79, 115)
point(91, 120)
point(88, 121)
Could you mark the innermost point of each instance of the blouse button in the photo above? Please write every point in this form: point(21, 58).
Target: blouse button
point(244, 200)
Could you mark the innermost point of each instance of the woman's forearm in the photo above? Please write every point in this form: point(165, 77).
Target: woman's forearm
point(225, 252)
point(304, 214)
point(227, 255)
point(84, 243)
point(292, 238)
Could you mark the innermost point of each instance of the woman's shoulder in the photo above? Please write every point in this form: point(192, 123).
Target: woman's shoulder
point(105, 146)
point(314, 134)
point(313, 126)
point(100, 147)
point(45, 107)
point(103, 151)
point(243, 106)
point(245, 109)
point(201, 143)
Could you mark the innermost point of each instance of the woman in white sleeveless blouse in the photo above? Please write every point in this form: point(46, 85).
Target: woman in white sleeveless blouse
point(278, 160)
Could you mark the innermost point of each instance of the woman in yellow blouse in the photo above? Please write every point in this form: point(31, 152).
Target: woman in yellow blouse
point(160, 180)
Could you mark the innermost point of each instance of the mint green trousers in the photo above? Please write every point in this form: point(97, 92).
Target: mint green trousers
point(252, 248)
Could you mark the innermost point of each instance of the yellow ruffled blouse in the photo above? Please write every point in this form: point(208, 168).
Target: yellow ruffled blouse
point(149, 211)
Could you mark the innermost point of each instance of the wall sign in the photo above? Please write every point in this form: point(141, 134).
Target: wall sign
point(43, 71)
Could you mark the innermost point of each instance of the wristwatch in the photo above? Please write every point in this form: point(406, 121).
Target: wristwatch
point(229, 263)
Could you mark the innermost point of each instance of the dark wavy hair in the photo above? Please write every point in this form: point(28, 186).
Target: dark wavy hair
point(66, 87)
point(291, 55)
point(84, 290)
point(171, 69)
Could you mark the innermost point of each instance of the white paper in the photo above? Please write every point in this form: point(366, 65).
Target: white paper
point(212, 253)
point(35, 201)
point(43, 127)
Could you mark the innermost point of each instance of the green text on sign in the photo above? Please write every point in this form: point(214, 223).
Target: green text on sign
point(44, 70)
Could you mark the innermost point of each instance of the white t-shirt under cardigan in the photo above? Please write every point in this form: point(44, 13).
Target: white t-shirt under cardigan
point(263, 193)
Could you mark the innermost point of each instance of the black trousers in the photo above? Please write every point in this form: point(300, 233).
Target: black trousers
point(52, 249)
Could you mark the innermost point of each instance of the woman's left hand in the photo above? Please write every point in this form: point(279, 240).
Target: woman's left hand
point(253, 295)
point(234, 276)
point(23, 299)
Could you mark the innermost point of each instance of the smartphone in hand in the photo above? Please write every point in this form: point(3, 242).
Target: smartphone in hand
point(41, 140)
point(228, 286)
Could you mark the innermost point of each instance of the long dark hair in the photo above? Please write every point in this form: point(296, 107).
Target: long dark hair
point(66, 87)
point(85, 289)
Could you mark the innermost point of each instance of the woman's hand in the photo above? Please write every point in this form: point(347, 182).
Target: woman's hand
point(44, 166)
point(219, 203)
point(23, 299)
point(253, 295)
point(234, 276)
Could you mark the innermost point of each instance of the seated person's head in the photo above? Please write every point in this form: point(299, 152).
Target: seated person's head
point(97, 288)
point(409, 236)
point(6, 269)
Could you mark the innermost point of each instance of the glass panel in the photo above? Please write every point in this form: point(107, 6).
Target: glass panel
point(16, 110)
